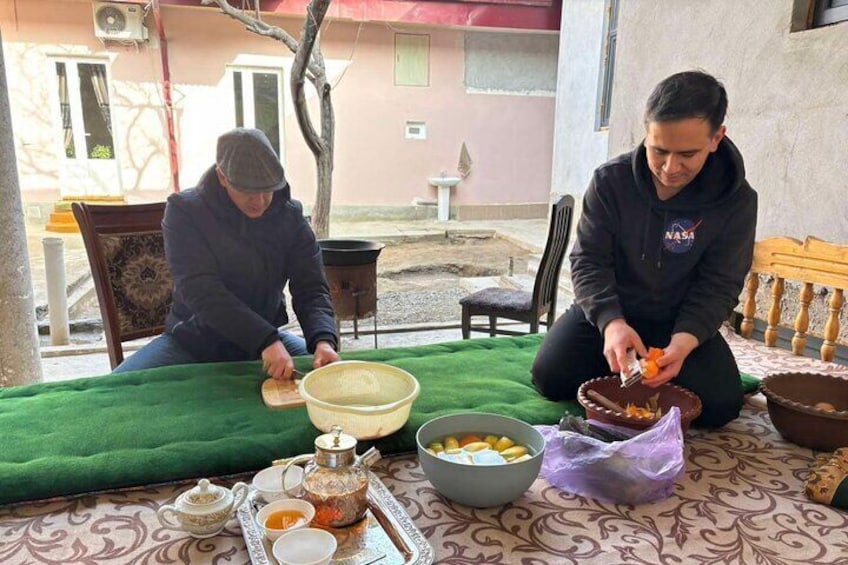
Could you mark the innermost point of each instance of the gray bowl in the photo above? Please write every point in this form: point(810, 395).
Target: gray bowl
point(480, 486)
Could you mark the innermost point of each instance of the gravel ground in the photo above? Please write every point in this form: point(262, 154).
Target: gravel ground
point(411, 307)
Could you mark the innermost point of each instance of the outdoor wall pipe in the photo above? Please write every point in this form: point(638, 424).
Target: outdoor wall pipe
point(57, 296)
point(166, 87)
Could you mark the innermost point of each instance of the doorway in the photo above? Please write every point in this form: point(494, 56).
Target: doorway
point(258, 102)
point(87, 153)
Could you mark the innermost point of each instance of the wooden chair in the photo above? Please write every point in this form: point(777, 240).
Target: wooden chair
point(812, 262)
point(126, 251)
point(521, 305)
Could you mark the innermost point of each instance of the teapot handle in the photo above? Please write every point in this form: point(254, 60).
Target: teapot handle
point(293, 461)
point(240, 491)
point(164, 514)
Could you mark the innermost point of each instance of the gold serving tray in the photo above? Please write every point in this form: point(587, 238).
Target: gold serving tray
point(385, 536)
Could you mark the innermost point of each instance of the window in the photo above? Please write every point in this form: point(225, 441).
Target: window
point(258, 102)
point(511, 63)
point(412, 59)
point(830, 12)
point(608, 64)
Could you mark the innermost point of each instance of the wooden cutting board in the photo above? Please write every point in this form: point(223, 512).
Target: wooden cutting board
point(277, 394)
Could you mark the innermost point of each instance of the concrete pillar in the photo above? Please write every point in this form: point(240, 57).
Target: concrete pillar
point(20, 362)
point(57, 290)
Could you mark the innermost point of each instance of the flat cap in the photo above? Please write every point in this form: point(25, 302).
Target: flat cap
point(249, 162)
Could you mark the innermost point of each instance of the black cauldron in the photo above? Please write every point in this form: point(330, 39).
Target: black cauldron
point(349, 252)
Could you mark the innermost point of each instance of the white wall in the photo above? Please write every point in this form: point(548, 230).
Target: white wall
point(578, 146)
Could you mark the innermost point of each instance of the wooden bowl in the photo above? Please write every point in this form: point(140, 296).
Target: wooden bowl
point(791, 398)
point(638, 394)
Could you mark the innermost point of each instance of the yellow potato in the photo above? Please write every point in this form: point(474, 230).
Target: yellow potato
point(524, 457)
point(513, 452)
point(503, 443)
point(453, 450)
point(491, 440)
point(436, 447)
point(451, 442)
point(476, 446)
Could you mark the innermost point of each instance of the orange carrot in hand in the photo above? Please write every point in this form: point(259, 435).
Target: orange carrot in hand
point(650, 369)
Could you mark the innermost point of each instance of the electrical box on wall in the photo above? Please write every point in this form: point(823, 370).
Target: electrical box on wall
point(121, 22)
point(415, 130)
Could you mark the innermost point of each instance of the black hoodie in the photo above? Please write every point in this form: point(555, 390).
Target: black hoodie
point(229, 272)
point(683, 259)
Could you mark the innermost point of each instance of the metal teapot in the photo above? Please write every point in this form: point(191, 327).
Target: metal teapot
point(335, 480)
point(204, 510)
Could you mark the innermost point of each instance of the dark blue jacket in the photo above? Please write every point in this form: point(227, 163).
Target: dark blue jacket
point(229, 272)
point(681, 260)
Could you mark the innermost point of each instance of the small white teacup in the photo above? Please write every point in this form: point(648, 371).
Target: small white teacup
point(269, 482)
point(307, 546)
point(295, 513)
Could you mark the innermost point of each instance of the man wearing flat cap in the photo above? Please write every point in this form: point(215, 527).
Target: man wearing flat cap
point(232, 244)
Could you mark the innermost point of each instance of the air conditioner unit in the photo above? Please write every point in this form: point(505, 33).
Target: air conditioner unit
point(123, 22)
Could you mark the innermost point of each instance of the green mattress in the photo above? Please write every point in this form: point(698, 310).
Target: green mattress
point(191, 421)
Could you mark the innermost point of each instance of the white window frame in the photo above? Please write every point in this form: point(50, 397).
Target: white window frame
point(827, 13)
point(606, 76)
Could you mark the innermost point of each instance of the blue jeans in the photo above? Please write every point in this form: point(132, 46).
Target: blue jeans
point(164, 351)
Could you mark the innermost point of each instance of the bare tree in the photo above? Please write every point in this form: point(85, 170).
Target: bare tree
point(308, 64)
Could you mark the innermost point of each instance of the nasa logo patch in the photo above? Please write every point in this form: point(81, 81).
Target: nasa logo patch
point(679, 235)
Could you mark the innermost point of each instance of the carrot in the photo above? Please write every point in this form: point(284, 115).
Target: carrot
point(655, 353)
point(651, 369)
point(469, 439)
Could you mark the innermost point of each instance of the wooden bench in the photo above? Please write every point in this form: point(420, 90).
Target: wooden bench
point(812, 262)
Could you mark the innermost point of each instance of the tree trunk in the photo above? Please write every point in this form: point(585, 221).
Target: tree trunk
point(309, 51)
point(20, 362)
point(321, 210)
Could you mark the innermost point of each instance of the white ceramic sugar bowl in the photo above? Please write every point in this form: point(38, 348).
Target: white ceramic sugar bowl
point(204, 510)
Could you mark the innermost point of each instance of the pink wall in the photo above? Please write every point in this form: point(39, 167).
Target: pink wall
point(509, 137)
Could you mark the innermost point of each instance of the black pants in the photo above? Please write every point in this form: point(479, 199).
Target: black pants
point(572, 352)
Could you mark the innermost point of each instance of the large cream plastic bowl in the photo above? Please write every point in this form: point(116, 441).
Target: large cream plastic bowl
point(368, 400)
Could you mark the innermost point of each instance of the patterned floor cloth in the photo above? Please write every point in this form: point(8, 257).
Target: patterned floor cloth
point(740, 501)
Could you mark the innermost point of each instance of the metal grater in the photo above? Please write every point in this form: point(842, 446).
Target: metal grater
point(634, 373)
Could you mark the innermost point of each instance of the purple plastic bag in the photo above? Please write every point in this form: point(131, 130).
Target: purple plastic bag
point(641, 469)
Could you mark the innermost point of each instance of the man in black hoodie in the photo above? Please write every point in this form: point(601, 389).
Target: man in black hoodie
point(232, 243)
point(663, 245)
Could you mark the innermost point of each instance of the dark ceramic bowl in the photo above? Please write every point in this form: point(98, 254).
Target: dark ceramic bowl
point(791, 398)
point(349, 252)
point(638, 394)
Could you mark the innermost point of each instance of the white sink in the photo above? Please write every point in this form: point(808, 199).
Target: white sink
point(444, 181)
point(444, 185)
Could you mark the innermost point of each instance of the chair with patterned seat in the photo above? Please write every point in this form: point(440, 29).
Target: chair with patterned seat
point(126, 251)
point(521, 305)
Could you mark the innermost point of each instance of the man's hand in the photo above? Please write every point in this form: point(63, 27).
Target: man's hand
point(618, 338)
point(671, 362)
point(277, 362)
point(324, 354)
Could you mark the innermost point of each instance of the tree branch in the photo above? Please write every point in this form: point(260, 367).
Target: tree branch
point(315, 13)
point(257, 26)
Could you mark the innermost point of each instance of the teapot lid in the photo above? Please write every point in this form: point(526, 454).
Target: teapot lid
point(335, 441)
point(203, 494)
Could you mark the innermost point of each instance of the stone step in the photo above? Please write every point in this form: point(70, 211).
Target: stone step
point(62, 217)
point(62, 221)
